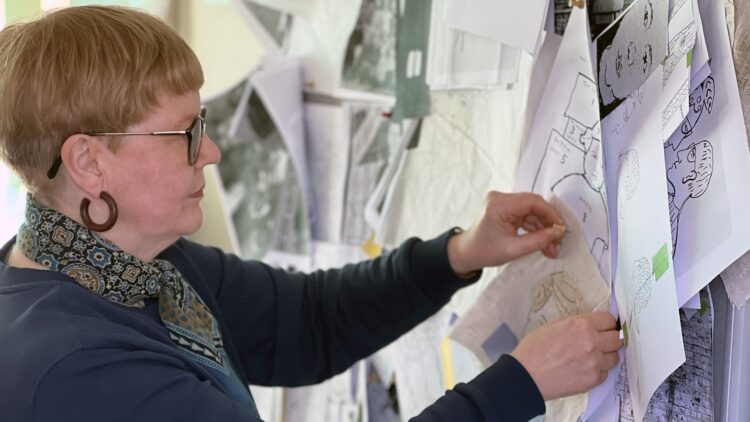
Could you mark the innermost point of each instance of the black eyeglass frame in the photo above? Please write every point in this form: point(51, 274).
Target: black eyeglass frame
point(193, 140)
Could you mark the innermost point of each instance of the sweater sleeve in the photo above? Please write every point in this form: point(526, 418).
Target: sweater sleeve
point(503, 392)
point(293, 329)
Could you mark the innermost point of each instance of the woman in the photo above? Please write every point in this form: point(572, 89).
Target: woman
point(107, 313)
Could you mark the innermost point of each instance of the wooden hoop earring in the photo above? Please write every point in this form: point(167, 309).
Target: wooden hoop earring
point(111, 220)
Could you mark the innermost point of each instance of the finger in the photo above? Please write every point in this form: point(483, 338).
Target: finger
point(609, 341)
point(551, 251)
point(603, 321)
point(608, 361)
point(534, 204)
point(537, 241)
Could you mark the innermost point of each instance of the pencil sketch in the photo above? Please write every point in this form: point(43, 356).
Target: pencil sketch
point(689, 173)
point(370, 60)
point(572, 162)
point(639, 286)
point(629, 51)
point(687, 394)
point(701, 103)
point(629, 176)
point(689, 168)
point(554, 296)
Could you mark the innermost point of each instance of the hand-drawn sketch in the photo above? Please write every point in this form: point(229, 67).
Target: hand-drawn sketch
point(677, 66)
point(555, 296)
point(701, 104)
point(687, 394)
point(630, 50)
point(689, 168)
point(640, 283)
point(646, 307)
point(572, 166)
point(629, 177)
point(688, 176)
point(370, 61)
point(563, 287)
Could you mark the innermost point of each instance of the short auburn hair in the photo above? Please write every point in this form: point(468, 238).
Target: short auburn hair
point(83, 69)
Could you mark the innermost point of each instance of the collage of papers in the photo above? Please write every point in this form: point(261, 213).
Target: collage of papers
point(372, 121)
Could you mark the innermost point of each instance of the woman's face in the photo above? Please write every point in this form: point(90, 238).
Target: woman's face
point(157, 191)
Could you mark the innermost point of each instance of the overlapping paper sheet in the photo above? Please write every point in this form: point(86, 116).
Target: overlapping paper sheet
point(518, 24)
point(562, 156)
point(532, 291)
point(461, 60)
point(644, 282)
point(707, 170)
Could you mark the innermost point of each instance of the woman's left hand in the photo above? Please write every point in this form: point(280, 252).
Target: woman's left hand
point(512, 225)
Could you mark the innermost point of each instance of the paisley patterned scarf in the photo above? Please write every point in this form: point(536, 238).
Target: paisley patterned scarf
point(61, 244)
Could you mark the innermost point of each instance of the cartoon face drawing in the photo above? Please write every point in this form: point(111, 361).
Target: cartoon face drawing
point(690, 174)
point(629, 59)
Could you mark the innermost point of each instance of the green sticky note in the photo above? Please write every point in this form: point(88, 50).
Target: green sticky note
point(660, 262)
point(689, 56)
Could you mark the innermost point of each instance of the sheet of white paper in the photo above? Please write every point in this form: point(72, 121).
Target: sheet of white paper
point(562, 156)
point(328, 136)
point(458, 59)
point(708, 166)
point(644, 274)
point(677, 66)
point(518, 24)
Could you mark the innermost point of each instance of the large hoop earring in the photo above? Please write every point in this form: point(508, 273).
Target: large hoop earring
point(111, 220)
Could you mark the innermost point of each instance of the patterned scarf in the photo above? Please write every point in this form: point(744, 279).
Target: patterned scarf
point(61, 244)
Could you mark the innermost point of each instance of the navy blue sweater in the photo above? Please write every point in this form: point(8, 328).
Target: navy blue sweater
point(67, 354)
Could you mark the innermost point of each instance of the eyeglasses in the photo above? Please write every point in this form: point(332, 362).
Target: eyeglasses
point(194, 135)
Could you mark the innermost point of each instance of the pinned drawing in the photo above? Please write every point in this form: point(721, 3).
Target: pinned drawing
point(641, 281)
point(572, 162)
point(629, 51)
point(688, 176)
point(555, 296)
point(629, 176)
point(701, 105)
point(690, 165)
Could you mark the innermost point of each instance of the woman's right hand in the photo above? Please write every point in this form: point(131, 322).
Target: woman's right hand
point(570, 356)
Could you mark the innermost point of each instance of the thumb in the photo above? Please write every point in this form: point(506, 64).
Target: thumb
point(538, 240)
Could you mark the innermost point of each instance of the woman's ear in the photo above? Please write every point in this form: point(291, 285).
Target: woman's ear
point(83, 158)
